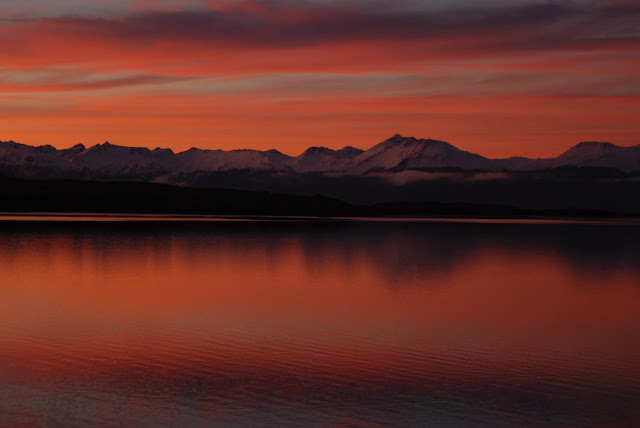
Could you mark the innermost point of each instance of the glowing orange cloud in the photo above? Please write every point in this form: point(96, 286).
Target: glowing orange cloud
point(527, 78)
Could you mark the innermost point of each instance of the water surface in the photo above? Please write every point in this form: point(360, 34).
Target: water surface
point(302, 323)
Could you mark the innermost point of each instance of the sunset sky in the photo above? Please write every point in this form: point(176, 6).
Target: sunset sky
point(496, 77)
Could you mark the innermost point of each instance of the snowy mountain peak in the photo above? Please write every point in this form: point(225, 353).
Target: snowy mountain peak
point(588, 150)
point(397, 138)
point(47, 148)
point(400, 153)
point(350, 152)
point(317, 150)
point(12, 143)
point(321, 159)
point(593, 146)
point(112, 162)
point(163, 151)
point(274, 152)
point(77, 148)
point(594, 153)
point(99, 147)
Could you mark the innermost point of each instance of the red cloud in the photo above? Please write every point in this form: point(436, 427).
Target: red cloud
point(549, 75)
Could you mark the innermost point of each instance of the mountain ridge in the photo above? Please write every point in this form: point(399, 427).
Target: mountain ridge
point(592, 175)
point(397, 153)
point(399, 159)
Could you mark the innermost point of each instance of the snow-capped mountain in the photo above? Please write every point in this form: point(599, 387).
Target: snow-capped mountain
point(196, 160)
point(609, 155)
point(117, 162)
point(111, 162)
point(585, 154)
point(400, 153)
point(322, 159)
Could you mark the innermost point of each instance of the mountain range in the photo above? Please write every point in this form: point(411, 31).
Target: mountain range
point(590, 175)
point(398, 153)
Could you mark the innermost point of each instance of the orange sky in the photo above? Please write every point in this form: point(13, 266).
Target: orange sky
point(499, 78)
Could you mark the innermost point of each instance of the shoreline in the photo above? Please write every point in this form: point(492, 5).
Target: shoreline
point(205, 218)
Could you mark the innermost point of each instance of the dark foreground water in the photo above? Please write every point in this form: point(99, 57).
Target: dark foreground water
point(319, 324)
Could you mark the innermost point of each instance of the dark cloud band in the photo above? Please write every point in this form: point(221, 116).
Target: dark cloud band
point(543, 25)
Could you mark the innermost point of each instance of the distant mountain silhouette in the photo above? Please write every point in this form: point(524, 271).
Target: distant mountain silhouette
point(590, 175)
point(398, 153)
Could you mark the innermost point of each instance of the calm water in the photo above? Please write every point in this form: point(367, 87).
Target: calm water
point(319, 324)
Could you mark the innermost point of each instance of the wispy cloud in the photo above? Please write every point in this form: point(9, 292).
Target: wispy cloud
point(539, 25)
point(371, 67)
point(62, 80)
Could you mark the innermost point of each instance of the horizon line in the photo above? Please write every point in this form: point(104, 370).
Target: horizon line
point(108, 143)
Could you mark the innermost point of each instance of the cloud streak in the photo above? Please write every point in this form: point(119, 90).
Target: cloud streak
point(18, 81)
point(263, 70)
point(529, 26)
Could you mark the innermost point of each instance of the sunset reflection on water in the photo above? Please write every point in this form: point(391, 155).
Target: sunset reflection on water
point(276, 323)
